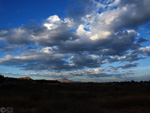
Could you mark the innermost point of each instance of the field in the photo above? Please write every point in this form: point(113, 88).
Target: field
point(41, 96)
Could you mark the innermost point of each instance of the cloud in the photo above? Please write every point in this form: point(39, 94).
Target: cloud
point(145, 50)
point(135, 13)
point(140, 40)
point(94, 33)
point(81, 8)
point(125, 66)
point(90, 73)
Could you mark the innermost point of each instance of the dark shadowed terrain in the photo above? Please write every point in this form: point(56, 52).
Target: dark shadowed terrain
point(41, 96)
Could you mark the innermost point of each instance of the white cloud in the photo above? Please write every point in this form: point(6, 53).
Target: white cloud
point(101, 35)
point(115, 3)
point(54, 23)
point(145, 50)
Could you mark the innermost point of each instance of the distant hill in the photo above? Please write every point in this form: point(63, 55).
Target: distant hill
point(65, 81)
point(28, 79)
point(25, 78)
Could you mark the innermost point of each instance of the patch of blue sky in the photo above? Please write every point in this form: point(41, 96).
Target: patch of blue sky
point(144, 32)
point(144, 62)
point(107, 6)
point(105, 2)
point(11, 69)
point(15, 13)
point(141, 71)
point(67, 58)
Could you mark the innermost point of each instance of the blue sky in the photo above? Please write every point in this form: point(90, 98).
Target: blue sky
point(19, 12)
point(80, 40)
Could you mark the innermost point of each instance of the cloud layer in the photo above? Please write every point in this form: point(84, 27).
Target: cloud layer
point(90, 37)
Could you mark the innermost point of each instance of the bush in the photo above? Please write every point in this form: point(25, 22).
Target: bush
point(1, 78)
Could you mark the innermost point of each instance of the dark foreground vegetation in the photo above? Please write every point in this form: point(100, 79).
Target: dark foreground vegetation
point(32, 96)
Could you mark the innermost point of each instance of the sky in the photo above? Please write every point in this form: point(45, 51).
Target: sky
point(79, 40)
